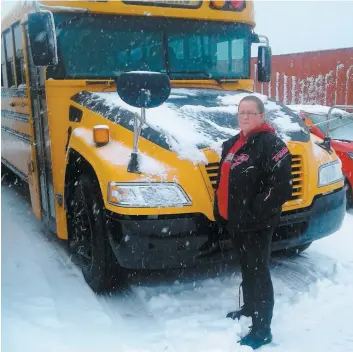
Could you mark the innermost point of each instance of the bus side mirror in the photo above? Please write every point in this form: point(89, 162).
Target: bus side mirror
point(42, 38)
point(142, 90)
point(264, 64)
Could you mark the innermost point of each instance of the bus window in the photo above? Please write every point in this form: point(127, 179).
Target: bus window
point(209, 49)
point(136, 55)
point(20, 72)
point(9, 59)
point(237, 55)
point(222, 56)
point(114, 48)
point(230, 55)
point(118, 44)
point(156, 58)
point(3, 71)
point(176, 54)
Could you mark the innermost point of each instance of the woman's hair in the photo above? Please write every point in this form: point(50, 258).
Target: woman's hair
point(255, 99)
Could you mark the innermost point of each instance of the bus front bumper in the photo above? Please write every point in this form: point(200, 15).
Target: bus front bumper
point(321, 219)
point(171, 242)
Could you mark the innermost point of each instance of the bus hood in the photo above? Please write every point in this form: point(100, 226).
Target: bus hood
point(193, 119)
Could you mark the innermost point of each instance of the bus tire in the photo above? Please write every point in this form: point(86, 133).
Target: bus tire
point(88, 240)
point(293, 251)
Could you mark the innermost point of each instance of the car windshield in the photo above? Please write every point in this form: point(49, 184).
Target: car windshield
point(102, 46)
point(340, 128)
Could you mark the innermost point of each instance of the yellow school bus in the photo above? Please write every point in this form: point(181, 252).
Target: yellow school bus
point(67, 133)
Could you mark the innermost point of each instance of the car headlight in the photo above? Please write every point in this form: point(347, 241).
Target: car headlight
point(350, 154)
point(147, 195)
point(330, 173)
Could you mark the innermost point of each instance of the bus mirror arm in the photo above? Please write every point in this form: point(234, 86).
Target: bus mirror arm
point(134, 165)
point(259, 39)
point(142, 90)
point(326, 144)
point(264, 40)
point(255, 38)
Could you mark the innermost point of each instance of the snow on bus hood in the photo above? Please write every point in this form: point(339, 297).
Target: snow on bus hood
point(193, 119)
point(118, 154)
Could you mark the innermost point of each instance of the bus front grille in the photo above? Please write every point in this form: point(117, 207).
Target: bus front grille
point(212, 172)
point(297, 176)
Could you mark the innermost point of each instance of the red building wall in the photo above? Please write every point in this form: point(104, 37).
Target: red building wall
point(320, 77)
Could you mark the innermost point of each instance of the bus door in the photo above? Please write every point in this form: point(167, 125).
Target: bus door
point(42, 139)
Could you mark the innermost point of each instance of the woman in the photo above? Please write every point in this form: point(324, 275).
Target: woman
point(254, 182)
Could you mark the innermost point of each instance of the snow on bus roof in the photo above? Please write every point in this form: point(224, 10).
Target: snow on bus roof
point(62, 8)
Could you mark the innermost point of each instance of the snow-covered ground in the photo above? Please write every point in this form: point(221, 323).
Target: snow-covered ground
point(46, 305)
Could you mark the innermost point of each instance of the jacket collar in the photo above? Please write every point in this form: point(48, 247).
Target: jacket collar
point(263, 128)
point(251, 136)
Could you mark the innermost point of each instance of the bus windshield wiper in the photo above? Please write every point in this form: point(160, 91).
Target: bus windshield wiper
point(219, 81)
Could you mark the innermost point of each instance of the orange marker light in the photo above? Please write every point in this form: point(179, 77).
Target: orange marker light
point(101, 135)
point(113, 194)
point(218, 4)
point(118, 195)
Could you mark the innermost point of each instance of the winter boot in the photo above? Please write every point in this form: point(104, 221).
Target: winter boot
point(242, 312)
point(257, 338)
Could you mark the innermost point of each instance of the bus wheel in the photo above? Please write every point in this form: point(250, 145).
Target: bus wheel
point(88, 240)
point(290, 252)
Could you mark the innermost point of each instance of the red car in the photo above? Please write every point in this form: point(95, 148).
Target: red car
point(341, 133)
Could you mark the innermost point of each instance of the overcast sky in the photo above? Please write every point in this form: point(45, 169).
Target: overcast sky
point(296, 25)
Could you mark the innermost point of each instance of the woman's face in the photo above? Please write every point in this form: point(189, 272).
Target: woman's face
point(249, 116)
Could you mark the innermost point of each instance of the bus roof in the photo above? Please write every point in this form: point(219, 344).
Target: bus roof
point(200, 10)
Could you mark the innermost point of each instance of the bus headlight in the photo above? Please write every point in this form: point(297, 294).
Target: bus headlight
point(350, 155)
point(147, 195)
point(330, 173)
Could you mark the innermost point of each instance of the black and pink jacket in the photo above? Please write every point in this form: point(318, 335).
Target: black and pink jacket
point(259, 181)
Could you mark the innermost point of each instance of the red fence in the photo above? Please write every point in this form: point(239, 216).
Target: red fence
point(320, 77)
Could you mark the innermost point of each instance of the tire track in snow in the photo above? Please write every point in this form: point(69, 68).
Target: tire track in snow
point(63, 299)
point(57, 293)
point(127, 304)
point(298, 273)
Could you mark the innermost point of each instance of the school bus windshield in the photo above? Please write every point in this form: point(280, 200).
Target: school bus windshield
point(100, 46)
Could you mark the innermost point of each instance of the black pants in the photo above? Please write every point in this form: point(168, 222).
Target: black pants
point(254, 253)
